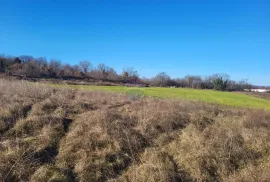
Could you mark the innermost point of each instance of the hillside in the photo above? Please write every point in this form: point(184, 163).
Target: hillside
point(66, 134)
point(236, 99)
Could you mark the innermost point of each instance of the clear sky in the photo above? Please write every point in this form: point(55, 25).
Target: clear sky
point(178, 37)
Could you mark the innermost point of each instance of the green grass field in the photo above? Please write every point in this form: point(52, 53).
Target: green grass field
point(223, 98)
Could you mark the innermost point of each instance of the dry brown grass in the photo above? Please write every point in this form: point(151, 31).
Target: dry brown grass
point(69, 135)
point(258, 94)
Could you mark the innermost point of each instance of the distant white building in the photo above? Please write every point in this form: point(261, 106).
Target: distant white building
point(260, 90)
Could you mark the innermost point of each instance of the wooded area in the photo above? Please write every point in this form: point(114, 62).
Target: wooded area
point(30, 67)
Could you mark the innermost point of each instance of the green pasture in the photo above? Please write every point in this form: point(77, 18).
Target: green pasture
point(224, 98)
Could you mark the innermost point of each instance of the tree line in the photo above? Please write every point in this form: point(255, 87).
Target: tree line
point(28, 66)
point(219, 81)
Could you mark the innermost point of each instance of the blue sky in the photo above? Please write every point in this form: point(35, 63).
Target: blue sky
point(178, 37)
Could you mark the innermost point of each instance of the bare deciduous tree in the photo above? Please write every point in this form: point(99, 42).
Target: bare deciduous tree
point(161, 80)
point(85, 66)
point(103, 69)
point(76, 71)
point(130, 74)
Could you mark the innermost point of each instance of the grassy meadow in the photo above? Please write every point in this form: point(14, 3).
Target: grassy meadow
point(85, 135)
point(217, 97)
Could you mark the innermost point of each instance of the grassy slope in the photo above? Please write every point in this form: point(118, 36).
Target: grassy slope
point(68, 135)
point(224, 98)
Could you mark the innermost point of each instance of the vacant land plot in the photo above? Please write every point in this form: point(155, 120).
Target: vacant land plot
point(224, 98)
point(71, 135)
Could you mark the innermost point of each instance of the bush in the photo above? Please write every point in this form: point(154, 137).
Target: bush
point(220, 84)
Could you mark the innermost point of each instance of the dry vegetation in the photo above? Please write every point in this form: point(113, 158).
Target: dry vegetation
point(258, 94)
point(68, 135)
